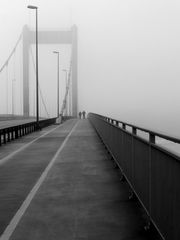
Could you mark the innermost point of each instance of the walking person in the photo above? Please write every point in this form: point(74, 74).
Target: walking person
point(80, 115)
point(84, 114)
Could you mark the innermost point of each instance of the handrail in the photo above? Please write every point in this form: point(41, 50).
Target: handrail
point(153, 173)
point(135, 127)
point(8, 134)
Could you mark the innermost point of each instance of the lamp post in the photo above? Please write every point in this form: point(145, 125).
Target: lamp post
point(66, 79)
point(13, 81)
point(37, 73)
point(57, 82)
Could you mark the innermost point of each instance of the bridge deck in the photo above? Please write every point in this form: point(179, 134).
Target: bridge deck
point(78, 196)
point(15, 122)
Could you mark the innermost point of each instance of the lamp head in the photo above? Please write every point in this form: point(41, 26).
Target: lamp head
point(32, 7)
point(55, 52)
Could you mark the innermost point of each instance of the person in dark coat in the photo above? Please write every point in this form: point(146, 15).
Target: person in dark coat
point(84, 114)
point(80, 115)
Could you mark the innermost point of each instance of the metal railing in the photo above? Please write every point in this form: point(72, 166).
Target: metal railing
point(14, 132)
point(152, 172)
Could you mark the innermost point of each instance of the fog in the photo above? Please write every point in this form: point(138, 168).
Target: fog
point(128, 55)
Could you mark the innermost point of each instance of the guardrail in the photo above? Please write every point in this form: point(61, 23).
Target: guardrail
point(152, 172)
point(10, 133)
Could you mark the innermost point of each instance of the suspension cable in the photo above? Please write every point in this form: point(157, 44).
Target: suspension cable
point(7, 87)
point(7, 60)
point(21, 83)
point(41, 95)
point(13, 80)
point(64, 104)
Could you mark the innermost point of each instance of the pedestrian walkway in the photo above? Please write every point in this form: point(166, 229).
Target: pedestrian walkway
point(63, 186)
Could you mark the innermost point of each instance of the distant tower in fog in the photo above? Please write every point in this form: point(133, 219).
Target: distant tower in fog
point(49, 37)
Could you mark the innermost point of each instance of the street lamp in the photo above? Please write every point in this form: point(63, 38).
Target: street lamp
point(66, 79)
point(57, 82)
point(37, 74)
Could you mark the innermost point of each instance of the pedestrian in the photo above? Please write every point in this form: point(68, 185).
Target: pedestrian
point(80, 115)
point(84, 114)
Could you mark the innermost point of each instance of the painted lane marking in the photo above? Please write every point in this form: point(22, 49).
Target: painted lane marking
point(5, 159)
point(17, 217)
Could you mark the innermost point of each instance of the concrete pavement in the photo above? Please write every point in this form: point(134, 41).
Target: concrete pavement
point(79, 196)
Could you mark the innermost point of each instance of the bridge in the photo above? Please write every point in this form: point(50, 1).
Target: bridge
point(95, 178)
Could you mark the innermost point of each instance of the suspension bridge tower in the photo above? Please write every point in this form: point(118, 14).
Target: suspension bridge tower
point(50, 37)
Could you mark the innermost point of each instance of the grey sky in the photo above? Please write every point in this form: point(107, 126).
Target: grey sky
point(129, 54)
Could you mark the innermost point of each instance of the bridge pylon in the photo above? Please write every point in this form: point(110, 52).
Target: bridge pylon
point(50, 37)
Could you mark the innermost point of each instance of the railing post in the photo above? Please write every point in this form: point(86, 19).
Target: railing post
point(124, 126)
point(134, 130)
point(21, 131)
point(8, 135)
point(152, 138)
point(4, 136)
point(0, 138)
point(12, 133)
point(16, 132)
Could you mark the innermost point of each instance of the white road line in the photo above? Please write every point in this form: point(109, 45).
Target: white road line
point(5, 159)
point(17, 217)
